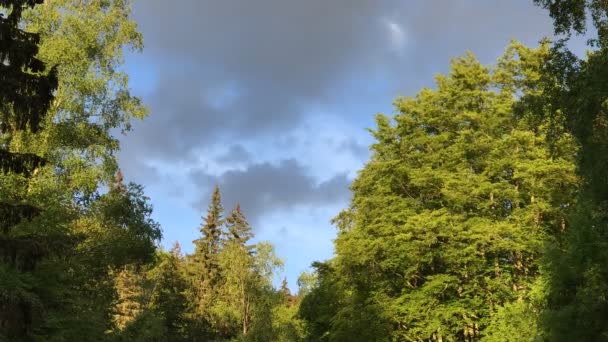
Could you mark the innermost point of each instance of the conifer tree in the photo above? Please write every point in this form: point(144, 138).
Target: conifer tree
point(168, 298)
point(238, 230)
point(130, 301)
point(237, 265)
point(26, 93)
point(203, 265)
point(208, 246)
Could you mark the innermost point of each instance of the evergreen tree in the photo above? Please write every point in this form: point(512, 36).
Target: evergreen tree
point(208, 246)
point(238, 230)
point(203, 266)
point(168, 297)
point(236, 263)
point(131, 300)
point(26, 240)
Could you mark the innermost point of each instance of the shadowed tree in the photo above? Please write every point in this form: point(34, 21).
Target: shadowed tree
point(26, 93)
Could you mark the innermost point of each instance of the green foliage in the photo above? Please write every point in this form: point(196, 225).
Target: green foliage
point(450, 217)
point(481, 215)
point(66, 232)
point(577, 304)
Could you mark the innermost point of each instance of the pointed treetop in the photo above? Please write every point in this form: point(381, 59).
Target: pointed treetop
point(118, 183)
point(176, 250)
point(285, 287)
point(238, 227)
point(215, 210)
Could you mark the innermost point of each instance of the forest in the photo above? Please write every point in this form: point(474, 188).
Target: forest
point(481, 215)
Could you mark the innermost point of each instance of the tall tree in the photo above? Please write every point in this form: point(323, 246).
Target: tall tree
point(71, 152)
point(26, 239)
point(578, 292)
point(449, 218)
point(203, 265)
point(208, 246)
point(237, 262)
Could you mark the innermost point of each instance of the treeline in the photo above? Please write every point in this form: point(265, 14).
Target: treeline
point(481, 215)
point(221, 292)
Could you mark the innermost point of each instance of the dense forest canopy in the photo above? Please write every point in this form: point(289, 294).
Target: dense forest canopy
point(481, 214)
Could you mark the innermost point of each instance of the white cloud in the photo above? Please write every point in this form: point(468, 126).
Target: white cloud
point(397, 35)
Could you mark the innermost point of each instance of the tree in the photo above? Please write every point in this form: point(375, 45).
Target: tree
point(238, 278)
point(68, 151)
point(131, 299)
point(208, 246)
point(450, 216)
point(168, 297)
point(577, 293)
point(26, 239)
point(203, 265)
point(239, 231)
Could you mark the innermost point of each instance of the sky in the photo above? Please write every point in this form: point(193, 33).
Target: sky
point(272, 101)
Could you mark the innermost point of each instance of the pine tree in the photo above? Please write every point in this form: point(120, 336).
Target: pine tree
point(236, 264)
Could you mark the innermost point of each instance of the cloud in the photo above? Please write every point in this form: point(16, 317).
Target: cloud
point(397, 35)
point(265, 188)
point(237, 69)
point(235, 154)
point(245, 93)
point(244, 69)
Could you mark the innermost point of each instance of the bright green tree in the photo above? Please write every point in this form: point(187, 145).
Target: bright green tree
point(450, 216)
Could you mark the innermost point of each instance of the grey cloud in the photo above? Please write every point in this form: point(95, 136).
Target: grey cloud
point(268, 61)
point(264, 188)
point(238, 68)
point(235, 154)
point(352, 146)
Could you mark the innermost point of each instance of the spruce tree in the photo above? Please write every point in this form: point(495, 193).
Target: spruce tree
point(238, 230)
point(26, 93)
point(208, 246)
point(203, 265)
point(168, 297)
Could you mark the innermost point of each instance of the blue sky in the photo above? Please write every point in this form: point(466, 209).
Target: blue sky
point(271, 99)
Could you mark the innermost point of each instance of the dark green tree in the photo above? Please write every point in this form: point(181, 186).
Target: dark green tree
point(209, 245)
point(26, 241)
point(168, 297)
point(578, 290)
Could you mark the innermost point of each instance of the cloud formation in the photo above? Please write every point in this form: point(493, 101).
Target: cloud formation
point(266, 188)
point(235, 69)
